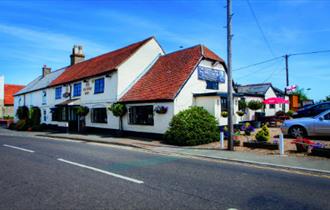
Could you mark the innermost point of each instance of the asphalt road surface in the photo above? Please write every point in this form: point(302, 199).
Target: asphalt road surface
point(55, 174)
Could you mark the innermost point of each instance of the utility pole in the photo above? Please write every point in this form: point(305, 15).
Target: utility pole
point(287, 69)
point(230, 81)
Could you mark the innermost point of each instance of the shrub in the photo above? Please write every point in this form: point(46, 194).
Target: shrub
point(118, 109)
point(22, 125)
point(22, 113)
point(12, 126)
point(224, 114)
point(263, 135)
point(290, 113)
point(82, 110)
point(193, 126)
point(280, 113)
point(242, 105)
point(35, 115)
point(255, 105)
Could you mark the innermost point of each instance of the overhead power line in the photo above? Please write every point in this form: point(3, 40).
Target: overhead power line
point(260, 28)
point(257, 64)
point(308, 53)
point(275, 58)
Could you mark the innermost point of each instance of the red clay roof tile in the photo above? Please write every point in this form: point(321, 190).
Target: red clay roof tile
point(98, 65)
point(10, 90)
point(168, 75)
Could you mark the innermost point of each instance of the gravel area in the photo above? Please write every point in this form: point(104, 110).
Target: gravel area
point(290, 149)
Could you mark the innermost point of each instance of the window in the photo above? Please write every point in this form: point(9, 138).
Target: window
point(77, 89)
point(224, 104)
point(141, 115)
point(327, 116)
point(44, 97)
point(45, 115)
point(58, 93)
point(59, 114)
point(272, 106)
point(99, 86)
point(99, 115)
point(212, 85)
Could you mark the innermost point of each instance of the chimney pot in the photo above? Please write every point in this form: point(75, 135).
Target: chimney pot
point(77, 54)
point(46, 70)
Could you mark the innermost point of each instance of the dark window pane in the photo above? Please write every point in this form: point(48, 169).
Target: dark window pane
point(141, 115)
point(99, 86)
point(224, 104)
point(99, 115)
point(77, 89)
point(212, 85)
point(58, 92)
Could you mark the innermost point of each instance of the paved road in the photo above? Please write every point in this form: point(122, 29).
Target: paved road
point(53, 174)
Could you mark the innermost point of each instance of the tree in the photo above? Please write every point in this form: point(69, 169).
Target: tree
point(242, 105)
point(22, 113)
point(300, 92)
point(255, 105)
point(327, 98)
point(35, 115)
point(118, 110)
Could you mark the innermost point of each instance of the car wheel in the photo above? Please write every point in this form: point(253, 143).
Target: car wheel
point(297, 131)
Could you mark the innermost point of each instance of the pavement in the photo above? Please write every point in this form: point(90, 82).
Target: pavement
point(306, 164)
point(43, 173)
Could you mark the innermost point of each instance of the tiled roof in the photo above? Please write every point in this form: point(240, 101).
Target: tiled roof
point(41, 82)
point(98, 65)
point(10, 90)
point(166, 77)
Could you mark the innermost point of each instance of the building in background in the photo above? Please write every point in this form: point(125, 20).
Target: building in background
point(7, 92)
point(260, 92)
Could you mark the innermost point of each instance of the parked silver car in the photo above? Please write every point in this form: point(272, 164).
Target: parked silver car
point(309, 126)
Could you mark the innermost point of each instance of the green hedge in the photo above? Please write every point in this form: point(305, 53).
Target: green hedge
point(193, 126)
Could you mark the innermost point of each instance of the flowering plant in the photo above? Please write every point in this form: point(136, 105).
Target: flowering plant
point(161, 109)
point(303, 144)
point(248, 129)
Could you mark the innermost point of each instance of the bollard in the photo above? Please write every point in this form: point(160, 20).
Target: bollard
point(281, 144)
point(221, 140)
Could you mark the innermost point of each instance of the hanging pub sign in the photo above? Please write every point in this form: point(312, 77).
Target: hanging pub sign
point(209, 74)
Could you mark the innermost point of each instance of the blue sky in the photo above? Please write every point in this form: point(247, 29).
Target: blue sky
point(34, 33)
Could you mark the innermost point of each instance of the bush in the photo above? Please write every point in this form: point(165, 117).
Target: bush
point(22, 113)
point(263, 135)
point(22, 125)
point(82, 110)
point(35, 115)
point(290, 113)
point(242, 105)
point(12, 126)
point(255, 105)
point(280, 113)
point(118, 109)
point(193, 126)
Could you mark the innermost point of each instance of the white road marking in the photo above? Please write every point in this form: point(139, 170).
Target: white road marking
point(19, 148)
point(102, 171)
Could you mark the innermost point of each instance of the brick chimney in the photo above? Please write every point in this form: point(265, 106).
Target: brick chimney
point(77, 54)
point(46, 70)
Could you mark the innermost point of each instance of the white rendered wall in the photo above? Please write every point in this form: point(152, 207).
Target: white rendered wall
point(185, 98)
point(137, 65)
point(161, 121)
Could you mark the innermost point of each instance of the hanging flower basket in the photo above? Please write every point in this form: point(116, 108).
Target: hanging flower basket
point(161, 109)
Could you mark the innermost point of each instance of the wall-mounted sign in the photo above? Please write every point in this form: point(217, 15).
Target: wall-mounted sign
point(209, 74)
